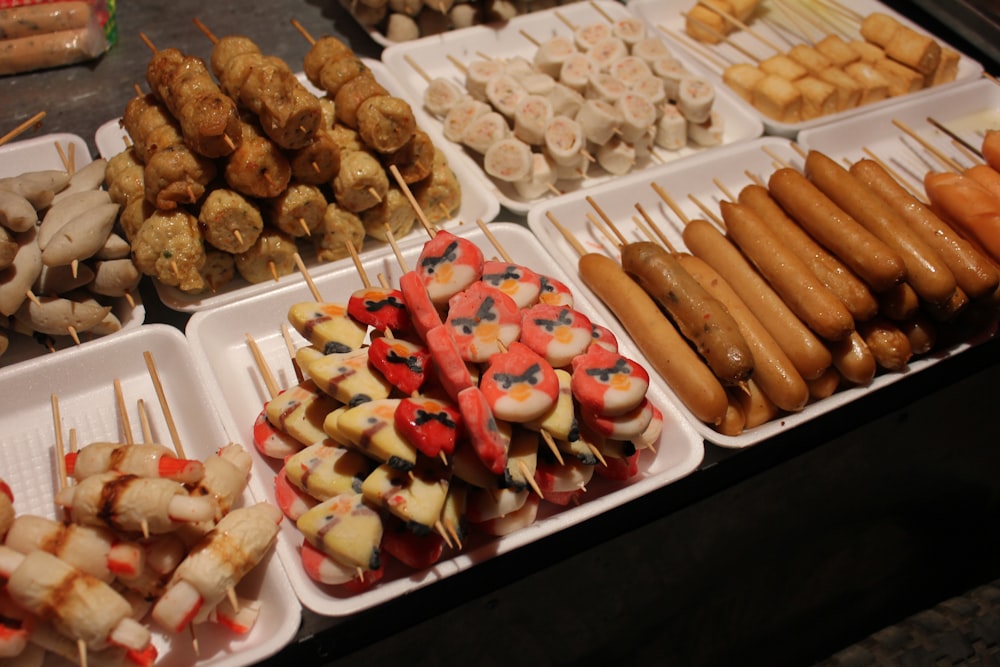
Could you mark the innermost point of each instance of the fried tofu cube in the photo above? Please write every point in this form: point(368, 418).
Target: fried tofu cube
point(848, 90)
point(819, 98)
point(867, 52)
point(810, 58)
point(902, 79)
point(778, 98)
point(706, 25)
point(915, 50)
point(947, 68)
point(874, 86)
point(783, 66)
point(879, 28)
point(742, 78)
point(837, 50)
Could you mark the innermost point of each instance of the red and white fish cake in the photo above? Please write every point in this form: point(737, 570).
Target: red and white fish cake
point(519, 384)
point(518, 282)
point(557, 333)
point(607, 383)
point(482, 320)
point(382, 308)
point(432, 425)
point(447, 265)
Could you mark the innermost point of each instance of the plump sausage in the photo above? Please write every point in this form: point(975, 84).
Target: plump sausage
point(854, 360)
point(887, 342)
point(874, 262)
point(831, 271)
point(925, 270)
point(774, 373)
point(967, 204)
point(700, 317)
point(665, 349)
point(973, 272)
point(799, 287)
point(801, 345)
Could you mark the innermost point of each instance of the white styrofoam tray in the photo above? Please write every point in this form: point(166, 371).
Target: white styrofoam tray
point(508, 41)
point(668, 15)
point(82, 380)
point(40, 154)
point(967, 109)
point(477, 204)
point(218, 339)
point(697, 178)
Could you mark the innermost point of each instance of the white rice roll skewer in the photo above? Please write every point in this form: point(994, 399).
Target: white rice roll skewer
point(531, 116)
point(671, 129)
point(629, 69)
point(575, 170)
point(538, 83)
point(441, 95)
point(587, 36)
point(508, 160)
point(541, 180)
point(695, 97)
point(607, 51)
point(484, 131)
point(616, 156)
point(575, 72)
point(518, 67)
point(552, 53)
point(478, 73)
point(630, 30)
point(650, 49)
point(709, 133)
point(603, 86)
point(504, 93)
point(652, 88)
point(565, 100)
point(460, 115)
point(564, 140)
point(638, 115)
point(670, 71)
point(599, 120)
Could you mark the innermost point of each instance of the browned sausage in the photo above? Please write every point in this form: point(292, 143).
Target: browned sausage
point(925, 270)
point(666, 350)
point(839, 279)
point(973, 272)
point(888, 344)
point(801, 345)
point(853, 359)
point(774, 373)
point(797, 285)
point(696, 314)
point(873, 261)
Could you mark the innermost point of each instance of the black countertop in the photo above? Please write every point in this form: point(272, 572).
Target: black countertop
point(778, 554)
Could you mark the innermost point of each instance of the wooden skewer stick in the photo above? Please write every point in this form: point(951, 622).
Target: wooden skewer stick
point(721, 37)
point(494, 240)
point(722, 188)
point(145, 429)
point(742, 26)
point(450, 527)
point(205, 31)
point(60, 451)
point(605, 230)
point(308, 278)
point(270, 383)
point(652, 225)
point(123, 412)
point(417, 68)
point(443, 532)
point(23, 127)
point(790, 23)
point(955, 137)
point(566, 21)
point(713, 59)
point(933, 150)
point(164, 406)
point(567, 234)
point(712, 215)
point(302, 31)
point(853, 15)
point(529, 38)
point(916, 192)
point(405, 188)
point(530, 478)
point(71, 330)
point(391, 238)
point(457, 63)
point(669, 201)
point(286, 334)
point(606, 219)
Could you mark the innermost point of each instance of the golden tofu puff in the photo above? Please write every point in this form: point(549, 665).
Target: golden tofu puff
point(914, 49)
point(874, 86)
point(347, 529)
point(947, 68)
point(706, 25)
point(868, 52)
point(742, 78)
point(370, 428)
point(810, 58)
point(784, 66)
point(778, 98)
point(848, 90)
point(744, 9)
point(819, 98)
point(839, 52)
point(300, 411)
point(327, 326)
point(879, 28)
point(902, 79)
point(325, 469)
point(416, 496)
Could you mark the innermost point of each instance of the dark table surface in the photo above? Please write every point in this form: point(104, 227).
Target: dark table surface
point(778, 554)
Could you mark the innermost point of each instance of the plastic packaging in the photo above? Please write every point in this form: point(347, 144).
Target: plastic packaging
point(40, 35)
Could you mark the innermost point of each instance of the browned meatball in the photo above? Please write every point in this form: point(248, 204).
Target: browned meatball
point(338, 72)
point(340, 227)
point(393, 212)
point(272, 256)
point(352, 94)
point(415, 160)
point(123, 177)
point(386, 123)
point(440, 195)
point(325, 50)
point(319, 162)
point(175, 175)
point(231, 222)
point(298, 211)
point(168, 246)
point(361, 182)
point(257, 168)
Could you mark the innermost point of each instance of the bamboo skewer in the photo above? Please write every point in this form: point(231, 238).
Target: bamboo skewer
point(23, 127)
point(164, 406)
point(944, 159)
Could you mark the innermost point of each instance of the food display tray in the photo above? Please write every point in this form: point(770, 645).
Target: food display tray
point(80, 382)
point(511, 40)
point(701, 177)
point(218, 339)
point(667, 16)
point(40, 154)
point(477, 204)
